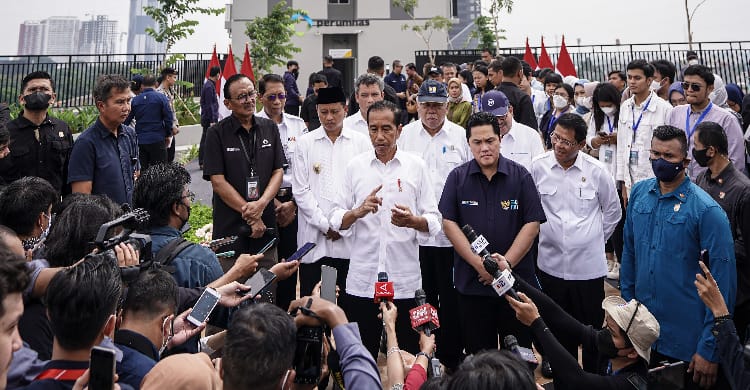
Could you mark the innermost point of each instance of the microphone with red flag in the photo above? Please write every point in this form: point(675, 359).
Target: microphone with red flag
point(383, 288)
point(424, 317)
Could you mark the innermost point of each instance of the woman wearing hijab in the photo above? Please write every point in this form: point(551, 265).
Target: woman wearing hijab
point(676, 94)
point(459, 109)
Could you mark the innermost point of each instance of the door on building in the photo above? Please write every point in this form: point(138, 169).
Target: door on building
point(343, 49)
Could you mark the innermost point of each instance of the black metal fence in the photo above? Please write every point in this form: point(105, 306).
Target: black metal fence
point(75, 75)
point(593, 62)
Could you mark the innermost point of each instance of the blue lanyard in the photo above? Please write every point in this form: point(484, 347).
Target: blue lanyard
point(532, 99)
point(636, 124)
point(609, 124)
point(554, 119)
point(691, 130)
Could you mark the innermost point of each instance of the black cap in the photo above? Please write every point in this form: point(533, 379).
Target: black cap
point(331, 95)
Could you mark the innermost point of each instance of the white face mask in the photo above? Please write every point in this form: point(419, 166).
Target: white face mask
point(655, 85)
point(584, 101)
point(608, 110)
point(693, 62)
point(559, 101)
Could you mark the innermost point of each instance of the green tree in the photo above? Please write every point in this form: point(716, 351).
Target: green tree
point(497, 7)
point(483, 33)
point(424, 30)
point(173, 25)
point(270, 38)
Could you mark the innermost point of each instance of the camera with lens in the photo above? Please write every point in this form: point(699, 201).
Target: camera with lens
point(308, 355)
point(125, 229)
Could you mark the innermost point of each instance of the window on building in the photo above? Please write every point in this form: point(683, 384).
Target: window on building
point(338, 1)
point(454, 8)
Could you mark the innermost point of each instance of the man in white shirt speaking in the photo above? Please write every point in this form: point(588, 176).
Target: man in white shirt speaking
point(581, 204)
point(442, 145)
point(520, 143)
point(387, 203)
point(318, 176)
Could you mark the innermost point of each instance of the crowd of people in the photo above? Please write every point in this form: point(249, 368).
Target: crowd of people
point(640, 179)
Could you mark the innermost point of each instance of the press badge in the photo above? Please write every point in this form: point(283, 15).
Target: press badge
point(253, 190)
point(633, 157)
point(608, 156)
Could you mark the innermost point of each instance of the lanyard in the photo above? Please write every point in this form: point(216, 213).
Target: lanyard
point(636, 124)
point(554, 119)
point(247, 156)
point(609, 124)
point(691, 130)
point(60, 375)
point(533, 97)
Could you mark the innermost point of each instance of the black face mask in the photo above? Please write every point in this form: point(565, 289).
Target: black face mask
point(185, 225)
point(701, 157)
point(37, 101)
point(605, 344)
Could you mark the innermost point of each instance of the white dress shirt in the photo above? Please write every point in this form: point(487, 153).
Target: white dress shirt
point(521, 144)
point(318, 176)
point(357, 123)
point(633, 163)
point(541, 103)
point(377, 245)
point(607, 153)
point(582, 210)
point(442, 152)
point(290, 129)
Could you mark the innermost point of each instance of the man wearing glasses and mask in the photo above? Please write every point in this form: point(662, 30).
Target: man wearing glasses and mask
point(244, 161)
point(41, 143)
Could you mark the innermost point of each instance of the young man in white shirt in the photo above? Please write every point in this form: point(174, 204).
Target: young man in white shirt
point(639, 116)
point(318, 176)
point(272, 95)
point(520, 143)
point(442, 145)
point(580, 201)
point(387, 203)
point(368, 90)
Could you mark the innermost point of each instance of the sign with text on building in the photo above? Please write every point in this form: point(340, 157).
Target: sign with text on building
point(340, 53)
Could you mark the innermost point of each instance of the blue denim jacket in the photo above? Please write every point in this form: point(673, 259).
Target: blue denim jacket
point(664, 235)
point(196, 266)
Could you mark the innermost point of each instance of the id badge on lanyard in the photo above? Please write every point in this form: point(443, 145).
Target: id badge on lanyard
point(253, 187)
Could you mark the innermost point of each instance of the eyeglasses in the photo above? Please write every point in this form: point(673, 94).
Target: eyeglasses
point(695, 87)
point(190, 195)
point(279, 96)
point(246, 97)
point(557, 139)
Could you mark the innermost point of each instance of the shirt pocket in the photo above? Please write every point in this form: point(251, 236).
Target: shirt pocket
point(547, 190)
point(674, 234)
point(640, 220)
point(59, 150)
point(586, 199)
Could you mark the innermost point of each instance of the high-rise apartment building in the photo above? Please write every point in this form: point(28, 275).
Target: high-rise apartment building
point(98, 36)
point(31, 38)
point(61, 35)
point(138, 40)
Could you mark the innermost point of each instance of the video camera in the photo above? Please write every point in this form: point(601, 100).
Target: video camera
point(127, 229)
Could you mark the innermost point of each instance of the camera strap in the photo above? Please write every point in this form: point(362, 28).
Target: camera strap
point(334, 366)
point(169, 252)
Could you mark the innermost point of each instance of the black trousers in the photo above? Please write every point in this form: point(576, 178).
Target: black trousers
point(286, 290)
point(742, 320)
point(365, 312)
point(484, 319)
point(171, 150)
point(202, 144)
point(721, 380)
point(437, 281)
point(582, 299)
point(616, 239)
point(309, 274)
point(152, 154)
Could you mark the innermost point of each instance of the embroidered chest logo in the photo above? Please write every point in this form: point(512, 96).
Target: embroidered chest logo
point(511, 204)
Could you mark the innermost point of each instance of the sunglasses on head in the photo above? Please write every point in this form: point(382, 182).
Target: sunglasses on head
point(695, 87)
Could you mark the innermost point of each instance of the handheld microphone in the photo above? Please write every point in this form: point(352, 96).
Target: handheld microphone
point(478, 243)
point(527, 355)
point(503, 281)
point(424, 317)
point(383, 293)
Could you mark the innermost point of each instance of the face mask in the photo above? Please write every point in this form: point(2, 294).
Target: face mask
point(37, 101)
point(608, 110)
point(185, 225)
point(693, 62)
point(666, 171)
point(605, 344)
point(584, 101)
point(701, 157)
point(559, 101)
point(655, 85)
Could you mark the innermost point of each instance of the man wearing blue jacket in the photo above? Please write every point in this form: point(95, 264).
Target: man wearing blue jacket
point(153, 123)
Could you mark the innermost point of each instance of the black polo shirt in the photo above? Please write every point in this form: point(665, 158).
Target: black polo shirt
point(731, 190)
point(496, 209)
point(309, 112)
point(523, 109)
point(46, 157)
point(224, 156)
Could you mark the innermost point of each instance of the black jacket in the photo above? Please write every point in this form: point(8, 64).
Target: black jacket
point(523, 110)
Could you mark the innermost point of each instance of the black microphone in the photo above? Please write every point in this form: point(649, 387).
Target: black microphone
point(503, 281)
point(471, 235)
point(527, 355)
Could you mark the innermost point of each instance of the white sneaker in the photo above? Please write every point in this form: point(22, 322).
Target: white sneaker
point(610, 264)
point(614, 273)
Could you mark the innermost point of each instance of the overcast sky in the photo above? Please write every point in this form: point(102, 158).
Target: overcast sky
point(591, 21)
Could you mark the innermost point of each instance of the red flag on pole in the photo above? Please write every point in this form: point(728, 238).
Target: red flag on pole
point(229, 70)
point(564, 63)
point(544, 61)
point(247, 66)
point(214, 62)
point(528, 56)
